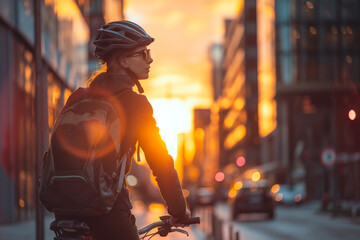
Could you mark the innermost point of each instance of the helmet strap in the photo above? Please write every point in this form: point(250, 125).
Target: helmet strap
point(135, 79)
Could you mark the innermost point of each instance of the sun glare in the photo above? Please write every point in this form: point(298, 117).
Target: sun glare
point(172, 117)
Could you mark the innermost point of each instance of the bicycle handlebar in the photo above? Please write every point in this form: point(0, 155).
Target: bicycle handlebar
point(167, 225)
point(189, 221)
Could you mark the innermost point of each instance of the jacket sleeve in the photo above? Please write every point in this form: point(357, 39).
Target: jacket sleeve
point(159, 160)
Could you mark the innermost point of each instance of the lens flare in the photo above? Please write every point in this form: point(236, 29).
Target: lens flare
point(94, 131)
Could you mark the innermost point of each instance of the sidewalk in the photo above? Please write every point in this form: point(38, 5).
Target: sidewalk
point(349, 211)
point(25, 230)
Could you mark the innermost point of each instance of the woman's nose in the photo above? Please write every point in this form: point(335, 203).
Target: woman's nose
point(150, 60)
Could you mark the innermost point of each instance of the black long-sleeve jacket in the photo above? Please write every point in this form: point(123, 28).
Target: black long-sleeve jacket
point(140, 125)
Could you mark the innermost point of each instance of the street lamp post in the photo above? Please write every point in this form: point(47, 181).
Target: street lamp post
point(38, 115)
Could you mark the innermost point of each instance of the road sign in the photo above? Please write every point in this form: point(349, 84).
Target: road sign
point(328, 157)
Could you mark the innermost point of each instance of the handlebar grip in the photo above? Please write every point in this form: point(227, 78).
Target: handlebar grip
point(188, 221)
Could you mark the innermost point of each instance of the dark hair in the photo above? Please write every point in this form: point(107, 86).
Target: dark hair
point(112, 65)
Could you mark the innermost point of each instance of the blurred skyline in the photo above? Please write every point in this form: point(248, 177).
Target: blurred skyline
point(181, 71)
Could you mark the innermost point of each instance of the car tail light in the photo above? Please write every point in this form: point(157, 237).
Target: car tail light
point(241, 197)
point(298, 197)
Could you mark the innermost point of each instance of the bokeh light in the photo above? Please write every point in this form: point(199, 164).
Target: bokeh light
point(238, 185)
point(232, 193)
point(219, 176)
point(131, 180)
point(352, 114)
point(240, 161)
point(298, 197)
point(255, 176)
point(275, 188)
point(278, 197)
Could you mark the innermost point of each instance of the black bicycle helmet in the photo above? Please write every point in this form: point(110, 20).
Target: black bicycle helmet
point(119, 35)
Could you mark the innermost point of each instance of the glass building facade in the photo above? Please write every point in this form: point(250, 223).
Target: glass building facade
point(318, 41)
point(318, 81)
point(65, 37)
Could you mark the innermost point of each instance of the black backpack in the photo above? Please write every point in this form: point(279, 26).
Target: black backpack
point(82, 170)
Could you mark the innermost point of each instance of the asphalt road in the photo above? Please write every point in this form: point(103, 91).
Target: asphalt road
point(290, 223)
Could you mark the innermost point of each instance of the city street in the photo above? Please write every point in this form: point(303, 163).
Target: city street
point(144, 216)
point(291, 222)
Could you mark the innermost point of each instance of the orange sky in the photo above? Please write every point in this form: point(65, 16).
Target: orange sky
point(180, 74)
point(183, 31)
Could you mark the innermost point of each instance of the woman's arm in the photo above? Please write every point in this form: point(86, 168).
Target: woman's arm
point(159, 160)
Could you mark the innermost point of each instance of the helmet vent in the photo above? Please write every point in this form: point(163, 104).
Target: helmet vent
point(132, 36)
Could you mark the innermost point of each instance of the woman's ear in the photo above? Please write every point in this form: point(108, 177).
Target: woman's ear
point(123, 62)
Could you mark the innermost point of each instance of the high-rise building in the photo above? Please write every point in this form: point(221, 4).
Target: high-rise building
point(318, 79)
point(238, 101)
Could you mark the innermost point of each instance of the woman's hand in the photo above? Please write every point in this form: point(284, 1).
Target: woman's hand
point(174, 221)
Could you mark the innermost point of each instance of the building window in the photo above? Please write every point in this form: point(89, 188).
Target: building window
point(308, 9)
point(55, 99)
point(351, 66)
point(327, 9)
point(7, 10)
point(24, 132)
point(350, 9)
point(286, 68)
point(328, 67)
point(311, 65)
point(25, 18)
point(309, 37)
point(328, 36)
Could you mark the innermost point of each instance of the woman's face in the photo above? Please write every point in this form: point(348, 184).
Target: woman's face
point(138, 61)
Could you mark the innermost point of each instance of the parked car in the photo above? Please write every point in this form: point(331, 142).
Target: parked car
point(289, 195)
point(205, 196)
point(253, 197)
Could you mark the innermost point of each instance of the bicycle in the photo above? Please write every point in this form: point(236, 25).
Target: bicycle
point(77, 230)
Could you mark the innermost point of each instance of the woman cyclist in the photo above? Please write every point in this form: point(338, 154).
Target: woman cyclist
point(122, 48)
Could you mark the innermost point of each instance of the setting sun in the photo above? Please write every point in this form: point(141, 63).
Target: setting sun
point(172, 117)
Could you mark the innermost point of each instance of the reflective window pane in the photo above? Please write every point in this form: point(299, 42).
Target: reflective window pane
point(328, 67)
point(286, 63)
point(329, 36)
point(282, 10)
point(308, 9)
point(327, 9)
point(351, 66)
point(25, 18)
point(24, 131)
point(6, 171)
point(7, 10)
point(350, 9)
